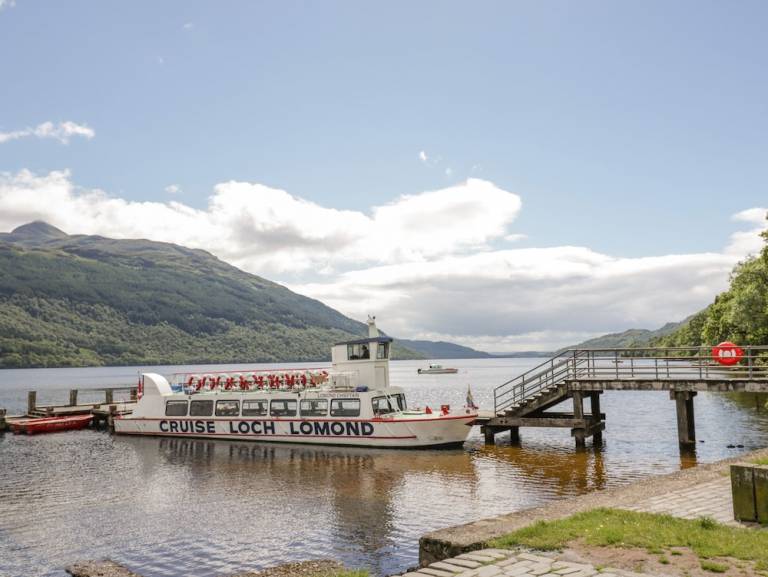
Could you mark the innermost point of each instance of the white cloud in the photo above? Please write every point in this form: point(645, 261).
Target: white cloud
point(62, 132)
point(7, 4)
point(423, 156)
point(173, 189)
point(270, 231)
point(748, 242)
point(424, 263)
point(188, 25)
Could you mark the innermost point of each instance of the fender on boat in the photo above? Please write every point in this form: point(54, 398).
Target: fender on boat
point(156, 385)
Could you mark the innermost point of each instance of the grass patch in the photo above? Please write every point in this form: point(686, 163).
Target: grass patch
point(760, 461)
point(612, 527)
point(713, 567)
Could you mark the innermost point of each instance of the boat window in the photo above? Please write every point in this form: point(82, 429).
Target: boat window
point(314, 407)
point(227, 408)
point(256, 408)
point(345, 407)
point(383, 405)
point(401, 401)
point(382, 351)
point(201, 408)
point(282, 408)
point(176, 409)
point(358, 352)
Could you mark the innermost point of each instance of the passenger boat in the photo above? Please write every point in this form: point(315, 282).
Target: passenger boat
point(437, 370)
point(50, 424)
point(350, 404)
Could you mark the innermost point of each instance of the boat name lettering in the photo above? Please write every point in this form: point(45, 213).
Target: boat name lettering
point(188, 426)
point(339, 395)
point(304, 428)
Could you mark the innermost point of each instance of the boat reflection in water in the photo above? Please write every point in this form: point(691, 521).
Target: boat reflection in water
point(265, 503)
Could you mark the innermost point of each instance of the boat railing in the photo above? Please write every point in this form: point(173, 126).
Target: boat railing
point(263, 379)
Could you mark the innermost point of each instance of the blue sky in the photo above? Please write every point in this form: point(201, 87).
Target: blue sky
point(633, 129)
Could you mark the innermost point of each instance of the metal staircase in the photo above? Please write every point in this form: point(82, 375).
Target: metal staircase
point(542, 386)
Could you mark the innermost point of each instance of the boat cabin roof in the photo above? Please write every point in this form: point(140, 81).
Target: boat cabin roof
point(378, 339)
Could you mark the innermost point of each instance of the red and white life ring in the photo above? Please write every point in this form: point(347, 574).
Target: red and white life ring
point(727, 353)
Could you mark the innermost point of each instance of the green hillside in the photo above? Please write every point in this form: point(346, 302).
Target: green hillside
point(739, 314)
point(88, 300)
point(443, 350)
point(627, 339)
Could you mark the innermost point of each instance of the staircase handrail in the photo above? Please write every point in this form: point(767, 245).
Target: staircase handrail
point(539, 377)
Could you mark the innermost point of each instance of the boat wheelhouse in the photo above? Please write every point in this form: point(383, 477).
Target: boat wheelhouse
point(352, 403)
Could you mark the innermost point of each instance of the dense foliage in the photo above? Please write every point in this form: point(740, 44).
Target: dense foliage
point(82, 300)
point(739, 314)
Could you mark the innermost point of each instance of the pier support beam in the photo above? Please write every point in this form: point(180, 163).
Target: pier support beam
point(594, 403)
point(73, 398)
point(686, 429)
point(514, 436)
point(490, 435)
point(578, 413)
point(31, 401)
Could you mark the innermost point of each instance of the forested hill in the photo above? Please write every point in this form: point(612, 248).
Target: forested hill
point(739, 314)
point(89, 300)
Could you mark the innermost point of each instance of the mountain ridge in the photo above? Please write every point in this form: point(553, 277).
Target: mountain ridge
point(80, 300)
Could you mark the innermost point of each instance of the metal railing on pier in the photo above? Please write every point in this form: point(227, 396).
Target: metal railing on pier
point(646, 364)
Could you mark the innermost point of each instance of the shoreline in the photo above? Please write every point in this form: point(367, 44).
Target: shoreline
point(452, 541)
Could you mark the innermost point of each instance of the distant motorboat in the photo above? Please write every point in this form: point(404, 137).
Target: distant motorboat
point(437, 370)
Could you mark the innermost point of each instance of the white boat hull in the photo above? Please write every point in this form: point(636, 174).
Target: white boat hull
point(421, 431)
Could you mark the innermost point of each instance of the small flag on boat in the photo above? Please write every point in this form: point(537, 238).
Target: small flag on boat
point(470, 399)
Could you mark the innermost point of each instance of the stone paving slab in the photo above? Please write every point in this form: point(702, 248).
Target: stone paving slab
point(711, 499)
point(503, 563)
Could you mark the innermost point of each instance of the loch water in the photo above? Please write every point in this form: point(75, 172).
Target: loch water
point(181, 507)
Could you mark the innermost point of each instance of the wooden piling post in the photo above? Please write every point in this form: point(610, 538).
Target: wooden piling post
point(111, 417)
point(31, 401)
point(73, 398)
point(3, 424)
point(489, 434)
point(580, 434)
point(108, 394)
point(686, 426)
point(594, 404)
point(514, 436)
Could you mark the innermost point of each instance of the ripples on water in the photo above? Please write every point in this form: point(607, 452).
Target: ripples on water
point(178, 507)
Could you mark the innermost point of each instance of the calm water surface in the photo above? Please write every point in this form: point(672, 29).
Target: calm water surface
point(176, 507)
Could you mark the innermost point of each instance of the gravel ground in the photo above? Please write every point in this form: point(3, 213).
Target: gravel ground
point(320, 568)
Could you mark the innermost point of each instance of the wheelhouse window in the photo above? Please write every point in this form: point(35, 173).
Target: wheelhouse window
point(227, 408)
point(255, 408)
point(358, 352)
point(176, 409)
point(201, 408)
point(382, 351)
point(386, 405)
point(400, 398)
point(314, 407)
point(283, 408)
point(345, 407)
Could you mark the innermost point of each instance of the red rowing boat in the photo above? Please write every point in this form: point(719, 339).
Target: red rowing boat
point(51, 424)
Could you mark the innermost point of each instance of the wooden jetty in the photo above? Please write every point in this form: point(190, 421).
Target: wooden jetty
point(117, 401)
point(577, 375)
